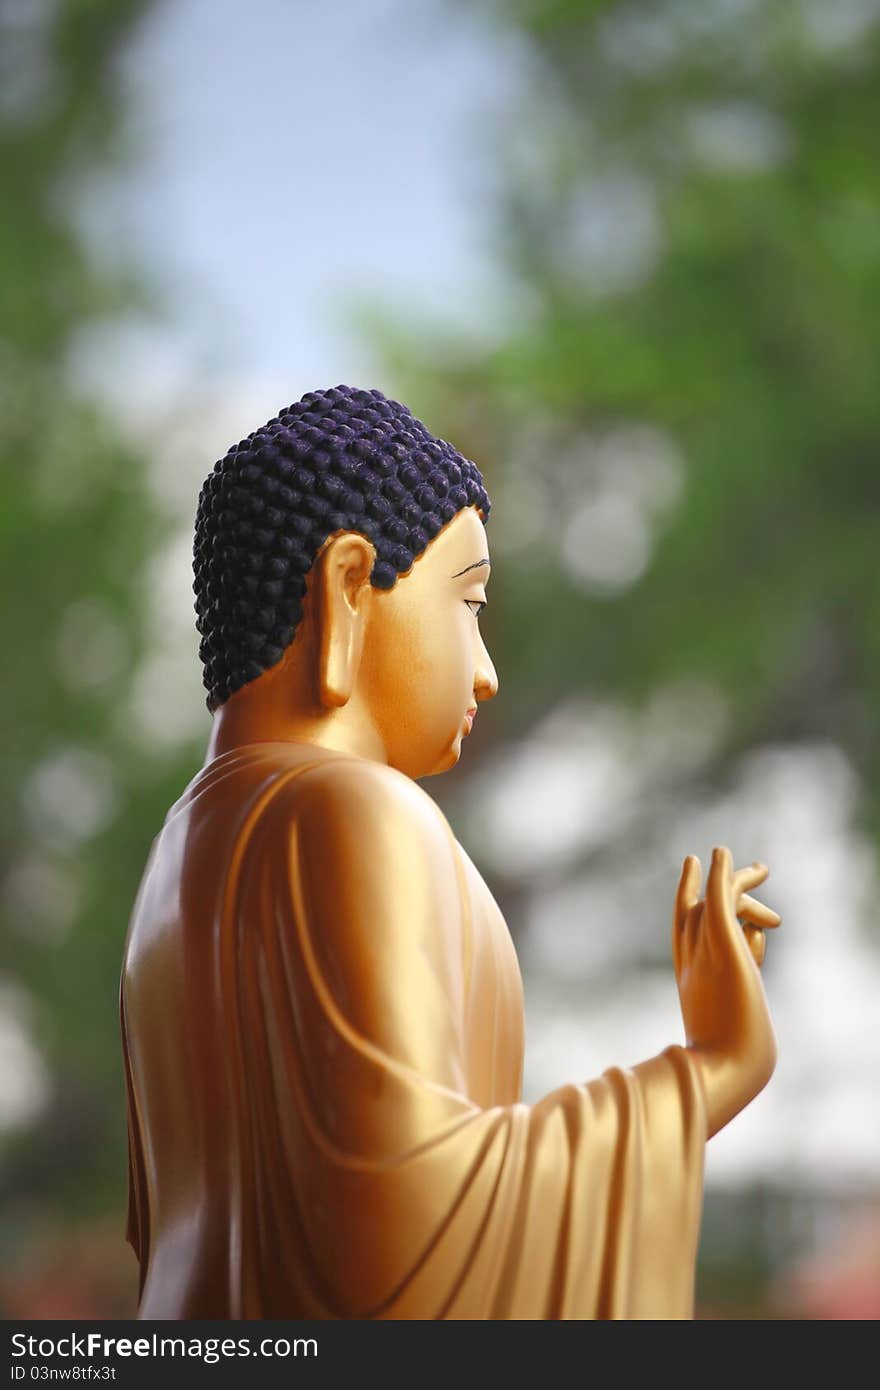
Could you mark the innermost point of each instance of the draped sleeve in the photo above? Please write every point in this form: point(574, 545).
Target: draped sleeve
point(369, 1183)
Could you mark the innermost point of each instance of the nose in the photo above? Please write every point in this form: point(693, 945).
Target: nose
point(485, 677)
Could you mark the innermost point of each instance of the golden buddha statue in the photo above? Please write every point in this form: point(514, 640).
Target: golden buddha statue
point(322, 1011)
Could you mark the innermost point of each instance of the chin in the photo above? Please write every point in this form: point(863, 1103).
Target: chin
point(448, 760)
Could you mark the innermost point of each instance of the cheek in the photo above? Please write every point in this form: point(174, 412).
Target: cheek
point(391, 673)
point(429, 666)
point(447, 651)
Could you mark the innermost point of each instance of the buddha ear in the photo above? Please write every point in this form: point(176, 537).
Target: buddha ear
point(344, 569)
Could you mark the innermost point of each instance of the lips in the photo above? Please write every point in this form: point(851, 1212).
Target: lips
point(470, 716)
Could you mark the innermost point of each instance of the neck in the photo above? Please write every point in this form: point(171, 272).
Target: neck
point(282, 706)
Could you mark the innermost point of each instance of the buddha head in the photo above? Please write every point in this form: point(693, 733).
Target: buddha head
point(340, 560)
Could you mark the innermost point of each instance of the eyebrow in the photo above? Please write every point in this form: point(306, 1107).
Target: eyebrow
point(475, 566)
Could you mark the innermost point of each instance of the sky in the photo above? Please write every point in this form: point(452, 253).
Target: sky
point(283, 170)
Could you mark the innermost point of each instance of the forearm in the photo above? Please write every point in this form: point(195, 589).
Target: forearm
point(729, 1082)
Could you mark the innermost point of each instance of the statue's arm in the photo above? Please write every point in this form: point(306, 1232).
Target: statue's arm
point(420, 1201)
point(374, 880)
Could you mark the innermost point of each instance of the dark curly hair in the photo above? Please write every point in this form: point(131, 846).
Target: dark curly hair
point(337, 460)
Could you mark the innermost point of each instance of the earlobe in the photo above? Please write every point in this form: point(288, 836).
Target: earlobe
point(344, 582)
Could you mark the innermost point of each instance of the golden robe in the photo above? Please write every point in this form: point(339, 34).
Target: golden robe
point(322, 1026)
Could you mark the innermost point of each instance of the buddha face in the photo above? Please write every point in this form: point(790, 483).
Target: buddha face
point(425, 667)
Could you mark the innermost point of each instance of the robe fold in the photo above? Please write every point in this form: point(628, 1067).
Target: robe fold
point(322, 1024)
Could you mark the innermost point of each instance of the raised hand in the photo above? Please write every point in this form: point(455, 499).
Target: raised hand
point(723, 1005)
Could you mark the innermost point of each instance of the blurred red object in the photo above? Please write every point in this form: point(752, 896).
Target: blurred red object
point(74, 1273)
point(841, 1278)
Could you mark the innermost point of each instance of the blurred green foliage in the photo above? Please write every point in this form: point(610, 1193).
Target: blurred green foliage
point(685, 203)
point(81, 799)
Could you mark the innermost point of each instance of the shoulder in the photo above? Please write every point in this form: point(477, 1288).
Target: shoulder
point(341, 775)
point(344, 798)
point(354, 847)
point(352, 839)
point(374, 874)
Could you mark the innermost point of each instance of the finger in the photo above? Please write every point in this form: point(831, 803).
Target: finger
point(757, 943)
point(719, 896)
point(759, 914)
point(690, 936)
point(686, 898)
point(688, 889)
point(749, 877)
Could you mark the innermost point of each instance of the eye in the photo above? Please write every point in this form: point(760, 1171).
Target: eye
point(475, 603)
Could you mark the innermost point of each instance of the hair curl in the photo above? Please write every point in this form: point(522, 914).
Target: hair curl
point(338, 460)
